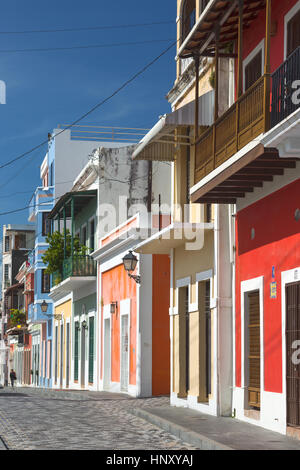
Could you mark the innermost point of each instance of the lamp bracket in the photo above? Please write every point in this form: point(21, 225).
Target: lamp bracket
point(137, 279)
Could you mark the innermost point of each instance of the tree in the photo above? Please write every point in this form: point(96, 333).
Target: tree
point(54, 256)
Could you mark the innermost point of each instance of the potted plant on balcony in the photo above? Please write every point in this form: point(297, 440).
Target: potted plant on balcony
point(17, 317)
point(57, 254)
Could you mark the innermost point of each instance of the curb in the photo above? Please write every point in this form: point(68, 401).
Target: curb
point(190, 437)
point(52, 393)
point(3, 445)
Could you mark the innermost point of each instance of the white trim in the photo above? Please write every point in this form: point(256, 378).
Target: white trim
point(287, 277)
point(253, 53)
point(106, 311)
point(184, 282)
point(204, 275)
point(118, 228)
point(256, 284)
point(287, 18)
point(125, 307)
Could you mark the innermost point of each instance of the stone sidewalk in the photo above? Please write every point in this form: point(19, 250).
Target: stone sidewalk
point(210, 433)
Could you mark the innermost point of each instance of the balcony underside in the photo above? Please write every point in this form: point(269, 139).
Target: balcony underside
point(71, 284)
point(225, 14)
point(173, 236)
point(257, 166)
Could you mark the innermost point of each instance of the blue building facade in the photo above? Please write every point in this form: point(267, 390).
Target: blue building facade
point(64, 160)
point(42, 202)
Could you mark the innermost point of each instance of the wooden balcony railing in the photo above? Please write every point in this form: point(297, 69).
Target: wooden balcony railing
point(240, 124)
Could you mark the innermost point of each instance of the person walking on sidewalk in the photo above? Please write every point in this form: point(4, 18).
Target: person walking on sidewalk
point(13, 377)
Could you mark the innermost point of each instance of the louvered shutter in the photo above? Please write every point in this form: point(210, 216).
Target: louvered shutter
point(254, 351)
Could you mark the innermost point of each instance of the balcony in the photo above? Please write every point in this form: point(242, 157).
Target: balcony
point(248, 120)
point(42, 199)
point(244, 121)
point(31, 258)
point(283, 79)
point(78, 266)
point(75, 266)
point(78, 271)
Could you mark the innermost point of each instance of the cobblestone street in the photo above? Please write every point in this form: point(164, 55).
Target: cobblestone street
point(31, 419)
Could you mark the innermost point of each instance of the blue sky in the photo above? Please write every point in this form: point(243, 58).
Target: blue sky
point(48, 88)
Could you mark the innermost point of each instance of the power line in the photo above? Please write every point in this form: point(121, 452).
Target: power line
point(88, 28)
point(91, 46)
point(30, 191)
point(20, 209)
point(98, 105)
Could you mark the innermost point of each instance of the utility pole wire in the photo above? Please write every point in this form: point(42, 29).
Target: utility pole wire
point(98, 105)
point(91, 46)
point(88, 28)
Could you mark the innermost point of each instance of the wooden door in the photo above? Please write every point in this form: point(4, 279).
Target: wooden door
point(254, 350)
point(292, 368)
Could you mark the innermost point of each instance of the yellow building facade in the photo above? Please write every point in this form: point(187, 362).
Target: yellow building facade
point(200, 305)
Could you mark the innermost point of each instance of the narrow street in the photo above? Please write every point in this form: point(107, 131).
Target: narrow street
point(31, 420)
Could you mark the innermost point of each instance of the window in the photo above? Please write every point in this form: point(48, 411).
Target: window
point(92, 235)
point(51, 175)
point(7, 244)
point(46, 224)
point(20, 241)
point(188, 18)
point(91, 350)
point(204, 294)
point(253, 70)
point(6, 272)
point(45, 282)
point(293, 34)
point(76, 351)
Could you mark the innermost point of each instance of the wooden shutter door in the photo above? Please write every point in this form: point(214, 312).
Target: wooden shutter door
point(292, 368)
point(253, 70)
point(254, 350)
point(91, 350)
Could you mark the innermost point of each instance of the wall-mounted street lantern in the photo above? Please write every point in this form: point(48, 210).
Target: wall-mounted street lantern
point(130, 262)
point(113, 307)
point(44, 306)
point(84, 325)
